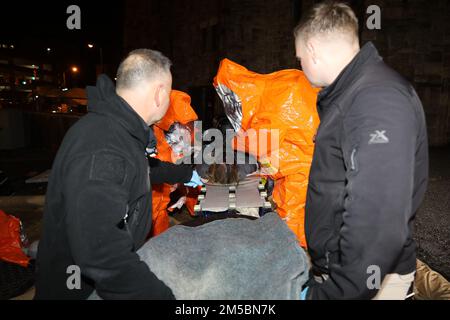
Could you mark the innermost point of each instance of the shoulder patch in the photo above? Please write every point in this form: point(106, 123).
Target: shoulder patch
point(108, 167)
point(378, 137)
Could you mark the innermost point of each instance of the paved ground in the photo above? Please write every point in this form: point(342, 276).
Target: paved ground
point(432, 225)
point(433, 220)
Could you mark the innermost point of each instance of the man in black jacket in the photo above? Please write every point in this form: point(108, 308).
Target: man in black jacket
point(98, 203)
point(370, 167)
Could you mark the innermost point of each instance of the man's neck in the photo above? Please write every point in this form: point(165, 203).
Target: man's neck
point(133, 101)
point(343, 63)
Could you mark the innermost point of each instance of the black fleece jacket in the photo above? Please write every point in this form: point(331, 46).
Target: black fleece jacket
point(368, 178)
point(98, 205)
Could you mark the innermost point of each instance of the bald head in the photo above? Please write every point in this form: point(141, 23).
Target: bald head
point(141, 65)
point(145, 82)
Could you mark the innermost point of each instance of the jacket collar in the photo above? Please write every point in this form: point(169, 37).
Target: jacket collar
point(102, 99)
point(349, 75)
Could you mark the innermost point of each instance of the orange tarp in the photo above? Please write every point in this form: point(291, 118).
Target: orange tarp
point(180, 111)
point(285, 102)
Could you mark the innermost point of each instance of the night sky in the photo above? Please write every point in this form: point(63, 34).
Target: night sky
point(35, 26)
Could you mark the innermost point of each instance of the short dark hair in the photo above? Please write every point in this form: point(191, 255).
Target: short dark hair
point(327, 17)
point(139, 66)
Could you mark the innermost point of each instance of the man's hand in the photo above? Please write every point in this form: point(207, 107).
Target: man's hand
point(195, 180)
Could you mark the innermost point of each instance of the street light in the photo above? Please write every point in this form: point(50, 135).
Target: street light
point(91, 46)
point(74, 70)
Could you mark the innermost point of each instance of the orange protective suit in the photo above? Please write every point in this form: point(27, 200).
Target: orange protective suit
point(10, 241)
point(180, 111)
point(284, 102)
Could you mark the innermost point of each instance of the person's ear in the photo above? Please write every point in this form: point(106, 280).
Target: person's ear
point(158, 95)
point(310, 47)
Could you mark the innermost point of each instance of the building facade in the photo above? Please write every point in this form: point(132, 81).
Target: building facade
point(196, 34)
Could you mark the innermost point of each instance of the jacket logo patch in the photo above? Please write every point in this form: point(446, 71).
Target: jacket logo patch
point(108, 167)
point(378, 137)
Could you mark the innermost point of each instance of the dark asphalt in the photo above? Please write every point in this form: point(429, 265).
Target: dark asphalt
point(433, 219)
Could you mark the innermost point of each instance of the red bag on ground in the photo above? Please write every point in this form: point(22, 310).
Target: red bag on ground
point(10, 240)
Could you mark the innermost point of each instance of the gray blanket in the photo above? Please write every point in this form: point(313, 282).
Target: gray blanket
point(229, 259)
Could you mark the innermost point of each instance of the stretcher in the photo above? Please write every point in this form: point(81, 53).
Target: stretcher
point(247, 194)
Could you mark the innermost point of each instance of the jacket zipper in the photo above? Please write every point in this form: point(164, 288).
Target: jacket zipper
point(352, 160)
point(327, 257)
point(126, 214)
point(126, 226)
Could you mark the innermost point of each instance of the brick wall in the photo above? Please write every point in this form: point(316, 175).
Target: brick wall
point(197, 34)
point(415, 40)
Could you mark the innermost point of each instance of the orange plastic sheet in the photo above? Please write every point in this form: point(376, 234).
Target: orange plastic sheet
point(282, 107)
point(10, 242)
point(180, 113)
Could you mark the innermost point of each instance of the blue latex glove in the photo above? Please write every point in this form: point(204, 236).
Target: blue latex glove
point(303, 294)
point(195, 180)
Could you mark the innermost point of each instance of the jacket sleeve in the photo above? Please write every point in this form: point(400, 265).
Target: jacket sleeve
point(381, 133)
point(166, 172)
point(96, 196)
